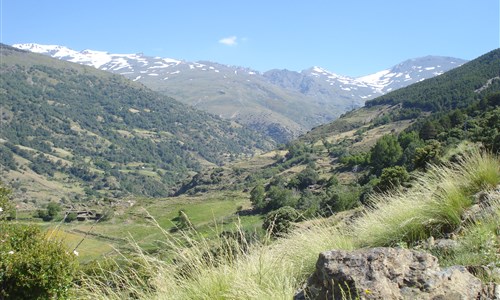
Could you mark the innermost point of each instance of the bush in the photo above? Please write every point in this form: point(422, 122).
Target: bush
point(280, 197)
point(257, 197)
point(70, 217)
point(307, 177)
point(182, 221)
point(340, 198)
point(385, 153)
point(31, 266)
point(107, 215)
point(53, 209)
point(6, 207)
point(427, 155)
point(280, 221)
point(42, 214)
point(392, 178)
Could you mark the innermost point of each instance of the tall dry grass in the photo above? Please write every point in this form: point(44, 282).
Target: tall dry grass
point(274, 270)
point(432, 206)
point(254, 271)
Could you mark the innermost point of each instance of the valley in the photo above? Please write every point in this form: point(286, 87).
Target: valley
point(196, 205)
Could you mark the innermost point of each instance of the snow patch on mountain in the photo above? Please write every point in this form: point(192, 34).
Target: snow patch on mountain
point(316, 81)
point(377, 81)
point(98, 59)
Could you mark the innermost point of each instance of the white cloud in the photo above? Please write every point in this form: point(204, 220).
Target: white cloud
point(229, 41)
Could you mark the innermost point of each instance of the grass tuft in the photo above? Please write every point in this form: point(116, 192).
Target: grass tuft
point(479, 244)
point(433, 205)
point(236, 267)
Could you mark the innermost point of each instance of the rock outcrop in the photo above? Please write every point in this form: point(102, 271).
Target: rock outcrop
point(390, 273)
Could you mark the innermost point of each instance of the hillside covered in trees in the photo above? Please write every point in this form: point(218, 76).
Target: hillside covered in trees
point(75, 124)
point(454, 89)
point(377, 148)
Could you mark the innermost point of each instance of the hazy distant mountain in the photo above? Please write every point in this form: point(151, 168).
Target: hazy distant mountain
point(280, 103)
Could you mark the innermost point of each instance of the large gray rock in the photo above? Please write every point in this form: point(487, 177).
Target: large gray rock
point(389, 273)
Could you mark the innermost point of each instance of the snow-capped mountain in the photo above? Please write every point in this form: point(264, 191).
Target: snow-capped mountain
point(280, 103)
point(326, 85)
point(101, 59)
point(365, 87)
point(409, 72)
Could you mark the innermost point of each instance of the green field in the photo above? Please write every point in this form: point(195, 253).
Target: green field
point(210, 215)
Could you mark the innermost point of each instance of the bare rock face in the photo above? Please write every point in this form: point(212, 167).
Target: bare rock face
point(389, 273)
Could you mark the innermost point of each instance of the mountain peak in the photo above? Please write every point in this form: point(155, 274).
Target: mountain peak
point(317, 71)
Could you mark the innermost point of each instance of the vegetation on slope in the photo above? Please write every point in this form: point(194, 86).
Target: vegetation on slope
point(408, 175)
point(33, 265)
point(236, 265)
point(326, 176)
point(375, 149)
point(110, 135)
point(261, 271)
point(454, 89)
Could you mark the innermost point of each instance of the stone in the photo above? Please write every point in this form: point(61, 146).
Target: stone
point(389, 273)
point(482, 208)
point(445, 245)
point(481, 197)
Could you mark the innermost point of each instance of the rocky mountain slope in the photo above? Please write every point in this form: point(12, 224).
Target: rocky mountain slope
point(280, 103)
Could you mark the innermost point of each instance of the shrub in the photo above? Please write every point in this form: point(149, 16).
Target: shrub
point(332, 181)
point(341, 198)
point(257, 196)
point(280, 197)
point(107, 215)
point(32, 266)
point(307, 177)
point(309, 204)
point(53, 209)
point(182, 221)
point(280, 221)
point(385, 153)
point(70, 217)
point(427, 155)
point(392, 177)
point(6, 206)
point(42, 214)
point(355, 159)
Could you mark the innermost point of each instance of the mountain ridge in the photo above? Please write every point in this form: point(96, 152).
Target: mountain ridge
point(110, 61)
point(281, 104)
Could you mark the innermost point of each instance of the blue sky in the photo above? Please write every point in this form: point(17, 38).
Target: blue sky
point(348, 37)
